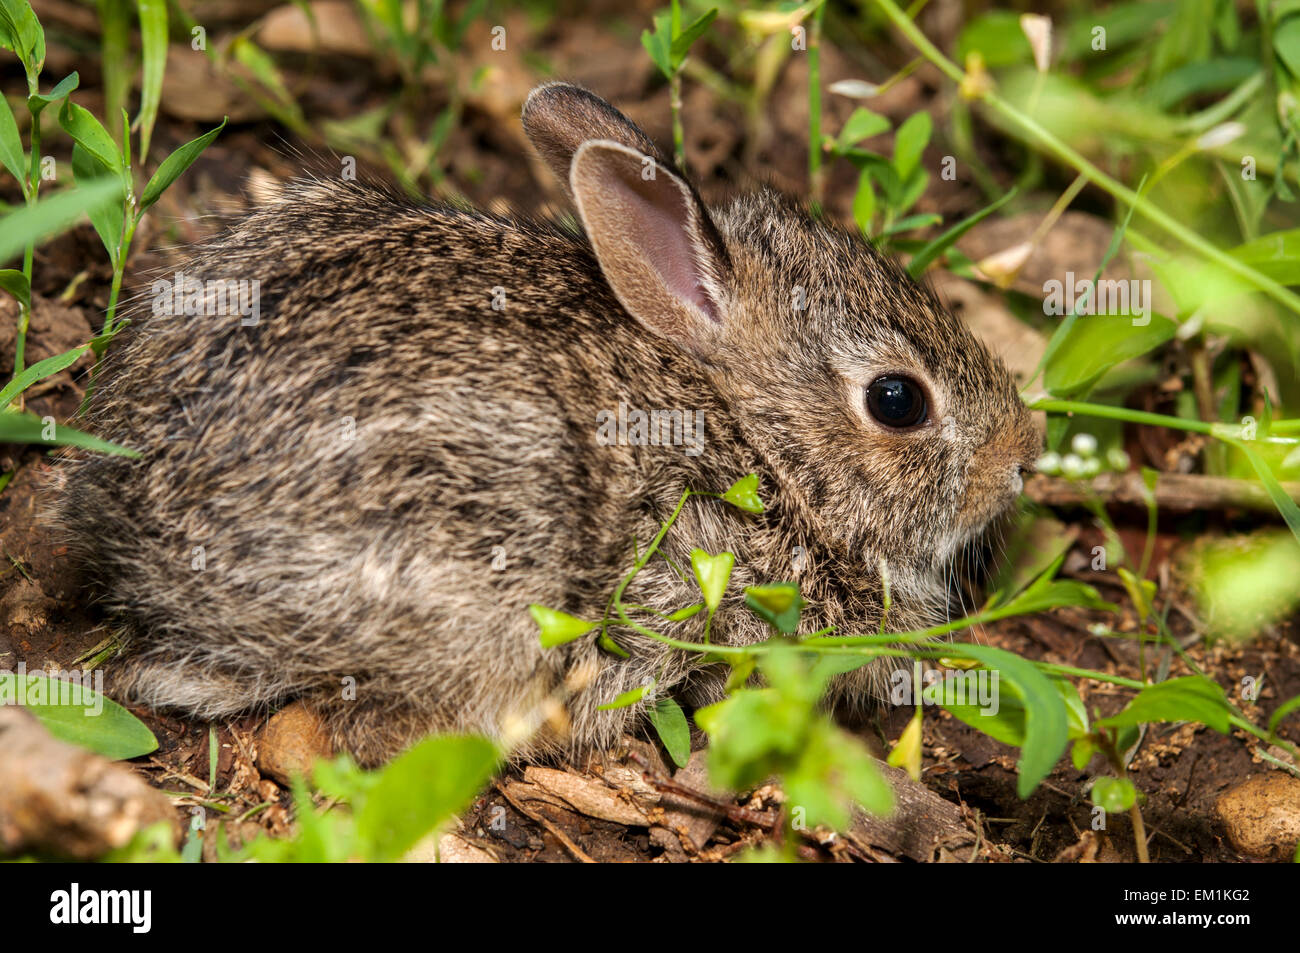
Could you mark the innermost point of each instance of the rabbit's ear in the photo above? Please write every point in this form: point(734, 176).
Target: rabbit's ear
point(559, 118)
point(655, 243)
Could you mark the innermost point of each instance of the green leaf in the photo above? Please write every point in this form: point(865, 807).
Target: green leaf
point(106, 217)
point(38, 371)
point(558, 627)
point(743, 494)
point(683, 42)
point(28, 428)
point(685, 612)
point(1113, 795)
point(712, 573)
point(15, 282)
point(89, 133)
point(864, 202)
point(1282, 711)
point(907, 753)
point(1281, 499)
point(1276, 255)
point(21, 32)
point(1047, 723)
point(49, 216)
point(626, 698)
point(1081, 752)
point(862, 124)
point(779, 604)
point(12, 156)
point(36, 104)
point(1286, 42)
point(670, 724)
point(659, 44)
point(997, 37)
point(420, 790)
point(909, 142)
point(1096, 343)
point(175, 164)
point(921, 260)
point(153, 45)
point(913, 222)
point(1191, 698)
point(79, 715)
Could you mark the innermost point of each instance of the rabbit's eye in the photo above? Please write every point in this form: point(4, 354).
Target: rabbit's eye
point(896, 401)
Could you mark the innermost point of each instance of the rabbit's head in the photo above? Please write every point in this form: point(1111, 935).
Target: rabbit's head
point(888, 424)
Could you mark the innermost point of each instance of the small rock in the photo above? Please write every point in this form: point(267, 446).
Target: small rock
point(290, 742)
point(1261, 815)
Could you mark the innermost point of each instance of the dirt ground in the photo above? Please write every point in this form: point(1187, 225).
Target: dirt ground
point(46, 618)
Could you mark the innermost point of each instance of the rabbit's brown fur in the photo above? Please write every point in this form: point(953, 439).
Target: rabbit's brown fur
point(327, 559)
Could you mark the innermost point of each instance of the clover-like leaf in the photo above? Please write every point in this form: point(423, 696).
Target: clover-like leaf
point(712, 573)
point(558, 627)
point(778, 604)
point(743, 494)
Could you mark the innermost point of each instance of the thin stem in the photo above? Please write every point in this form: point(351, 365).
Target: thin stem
point(816, 176)
point(1213, 429)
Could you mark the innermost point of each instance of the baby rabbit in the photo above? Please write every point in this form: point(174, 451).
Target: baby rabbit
point(351, 494)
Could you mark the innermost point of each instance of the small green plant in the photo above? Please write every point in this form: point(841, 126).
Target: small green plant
point(668, 45)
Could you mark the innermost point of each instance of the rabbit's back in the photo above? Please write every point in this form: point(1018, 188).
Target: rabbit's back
point(377, 477)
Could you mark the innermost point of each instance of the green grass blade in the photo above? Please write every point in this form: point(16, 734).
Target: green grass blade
point(51, 216)
point(39, 371)
point(153, 40)
point(945, 241)
point(28, 428)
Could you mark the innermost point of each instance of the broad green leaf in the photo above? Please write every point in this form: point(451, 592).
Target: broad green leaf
point(779, 604)
point(1081, 752)
point(38, 371)
point(558, 627)
point(175, 164)
point(36, 104)
point(743, 494)
point(12, 156)
point(106, 217)
point(420, 790)
point(683, 42)
point(1098, 342)
point(1191, 698)
point(864, 202)
point(21, 32)
point(862, 124)
point(712, 573)
point(28, 428)
point(909, 142)
point(79, 715)
point(670, 723)
point(16, 283)
point(50, 216)
point(1286, 42)
point(659, 44)
point(1047, 723)
point(1113, 795)
point(153, 45)
point(90, 134)
point(997, 37)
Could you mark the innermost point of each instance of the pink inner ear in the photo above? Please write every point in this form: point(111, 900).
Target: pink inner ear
point(659, 216)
